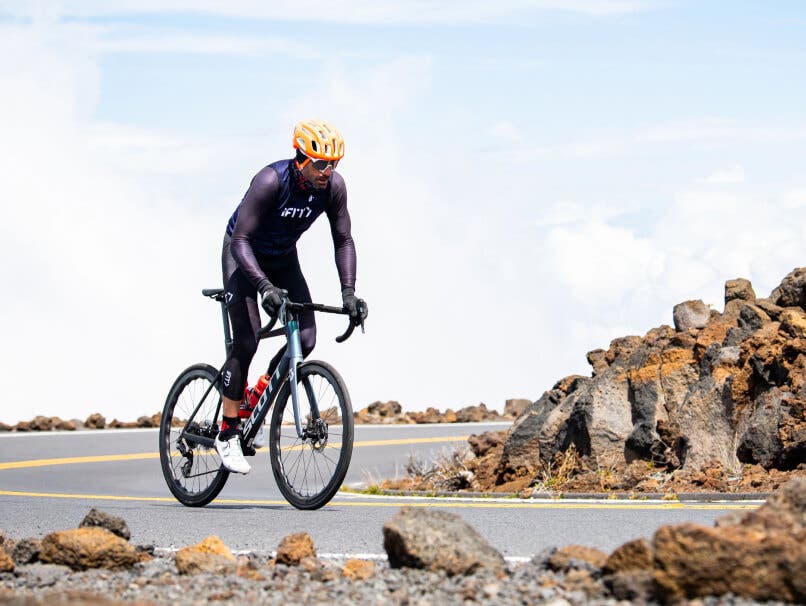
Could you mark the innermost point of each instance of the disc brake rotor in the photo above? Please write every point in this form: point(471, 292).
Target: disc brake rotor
point(205, 430)
point(317, 433)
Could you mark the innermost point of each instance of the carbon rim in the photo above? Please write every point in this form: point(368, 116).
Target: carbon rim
point(193, 469)
point(311, 465)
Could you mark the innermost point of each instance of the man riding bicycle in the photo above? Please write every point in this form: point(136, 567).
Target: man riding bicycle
point(259, 257)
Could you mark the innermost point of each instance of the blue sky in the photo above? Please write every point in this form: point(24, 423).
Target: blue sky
point(528, 179)
point(667, 62)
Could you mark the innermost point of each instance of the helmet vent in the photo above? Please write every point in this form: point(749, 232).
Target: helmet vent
point(318, 139)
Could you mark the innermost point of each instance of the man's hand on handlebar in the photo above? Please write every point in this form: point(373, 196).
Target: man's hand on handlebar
point(357, 308)
point(271, 298)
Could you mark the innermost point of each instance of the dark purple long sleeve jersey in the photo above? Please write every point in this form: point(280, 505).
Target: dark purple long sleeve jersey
point(276, 211)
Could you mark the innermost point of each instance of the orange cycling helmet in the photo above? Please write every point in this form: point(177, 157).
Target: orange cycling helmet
point(318, 139)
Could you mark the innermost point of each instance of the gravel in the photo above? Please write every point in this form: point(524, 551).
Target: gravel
point(157, 582)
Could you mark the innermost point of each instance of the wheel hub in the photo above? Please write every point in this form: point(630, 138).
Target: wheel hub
point(205, 430)
point(317, 433)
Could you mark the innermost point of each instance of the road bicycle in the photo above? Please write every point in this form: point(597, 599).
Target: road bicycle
point(311, 428)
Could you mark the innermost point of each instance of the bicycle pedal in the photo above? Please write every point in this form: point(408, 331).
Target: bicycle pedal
point(248, 451)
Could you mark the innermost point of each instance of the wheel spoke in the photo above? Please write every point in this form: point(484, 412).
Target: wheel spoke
point(205, 478)
point(297, 467)
point(309, 471)
point(296, 461)
point(334, 463)
point(319, 472)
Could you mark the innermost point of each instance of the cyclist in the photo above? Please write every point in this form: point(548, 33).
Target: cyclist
point(259, 259)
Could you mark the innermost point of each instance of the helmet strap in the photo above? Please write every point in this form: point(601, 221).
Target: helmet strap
point(300, 179)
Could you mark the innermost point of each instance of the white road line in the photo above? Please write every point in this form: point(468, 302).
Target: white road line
point(378, 557)
point(422, 425)
point(559, 500)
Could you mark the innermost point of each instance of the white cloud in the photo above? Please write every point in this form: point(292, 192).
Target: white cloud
point(478, 289)
point(610, 282)
point(795, 199)
point(132, 40)
point(719, 131)
point(704, 133)
point(568, 211)
point(600, 263)
point(505, 130)
point(734, 174)
point(355, 11)
point(730, 235)
point(101, 270)
point(114, 253)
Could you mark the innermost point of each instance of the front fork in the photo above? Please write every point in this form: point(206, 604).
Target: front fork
point(294, 355)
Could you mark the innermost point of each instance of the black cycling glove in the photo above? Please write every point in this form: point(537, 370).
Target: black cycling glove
point(357, 308)
point(271, 297)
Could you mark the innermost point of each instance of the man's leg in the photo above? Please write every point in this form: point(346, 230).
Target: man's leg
point(244, 316)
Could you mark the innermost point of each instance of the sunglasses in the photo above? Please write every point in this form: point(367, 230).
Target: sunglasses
point(320, 165)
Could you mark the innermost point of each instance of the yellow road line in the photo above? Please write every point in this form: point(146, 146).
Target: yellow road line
point(104, 497)
point(443, 502)
point(155, 455)
point(70, 460)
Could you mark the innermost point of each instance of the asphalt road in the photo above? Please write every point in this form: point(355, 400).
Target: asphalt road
point(49, 481)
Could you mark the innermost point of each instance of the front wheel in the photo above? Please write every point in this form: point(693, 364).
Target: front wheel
point(310, 469)
point(192, 470)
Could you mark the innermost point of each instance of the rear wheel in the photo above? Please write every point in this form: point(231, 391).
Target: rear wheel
point(193, 471)
point(310, 469)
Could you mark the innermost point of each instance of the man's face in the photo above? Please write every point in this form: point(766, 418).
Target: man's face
point(319, 178)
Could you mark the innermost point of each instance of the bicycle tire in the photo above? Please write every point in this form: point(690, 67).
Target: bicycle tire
point(291, 455)
point(179, 469)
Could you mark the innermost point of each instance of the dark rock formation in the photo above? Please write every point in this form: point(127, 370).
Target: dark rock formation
point(483, 443)
point(6, 562)
point(26, 551)
point(437, 540)
point(209, 556)
point(112, 523)
point(476, 414)
point(95, 421)
point(740, 289)
point(84, 548)
point(577, 556)
point(294, 548)
point(513, 408)
point(762, 556)
point(691, 314)
point(717, 392)
point(631, 556)
point(792, 290)
point(392, 413)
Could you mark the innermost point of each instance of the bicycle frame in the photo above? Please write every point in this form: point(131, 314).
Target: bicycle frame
point(287, 367)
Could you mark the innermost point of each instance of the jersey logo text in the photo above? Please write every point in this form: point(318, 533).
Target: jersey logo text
point(297, 213)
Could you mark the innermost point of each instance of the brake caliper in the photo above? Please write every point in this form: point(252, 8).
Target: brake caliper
point(318, 434)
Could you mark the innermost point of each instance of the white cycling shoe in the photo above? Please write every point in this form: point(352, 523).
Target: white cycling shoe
point(231, 454)
point(260, 438)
